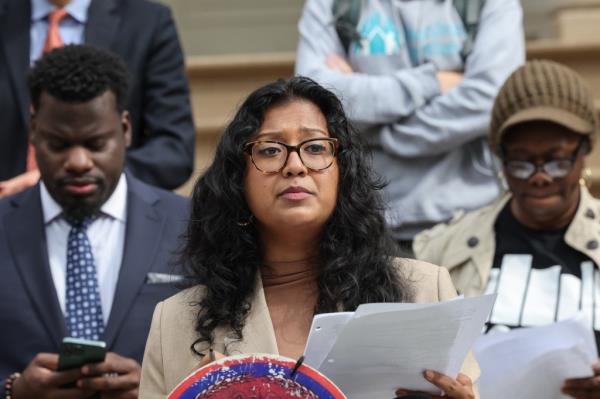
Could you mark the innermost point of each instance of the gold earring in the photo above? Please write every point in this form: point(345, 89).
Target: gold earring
point(586, 178)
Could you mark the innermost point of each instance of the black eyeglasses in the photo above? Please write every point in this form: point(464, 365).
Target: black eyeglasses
point(555, 168)
point(272, 156)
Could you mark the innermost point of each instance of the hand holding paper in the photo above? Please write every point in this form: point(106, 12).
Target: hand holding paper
point(381, 347)
point(582, 388)
point(459, 388)
point(534, 362)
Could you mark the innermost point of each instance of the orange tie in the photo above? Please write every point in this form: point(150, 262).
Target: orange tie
point(53, 40)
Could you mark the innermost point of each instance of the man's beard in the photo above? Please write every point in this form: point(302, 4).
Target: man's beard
point(78, 208)
point(82, 212)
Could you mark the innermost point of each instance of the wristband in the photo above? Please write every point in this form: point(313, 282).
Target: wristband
point(8, 385)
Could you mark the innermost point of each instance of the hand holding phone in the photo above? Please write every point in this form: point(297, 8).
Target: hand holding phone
point(41, 380)
point(116, 373)
point(75, 353)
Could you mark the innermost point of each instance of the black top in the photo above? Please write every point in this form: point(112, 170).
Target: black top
point(539, 278)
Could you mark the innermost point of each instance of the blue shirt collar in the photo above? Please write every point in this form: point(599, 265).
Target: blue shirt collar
point(77, 9)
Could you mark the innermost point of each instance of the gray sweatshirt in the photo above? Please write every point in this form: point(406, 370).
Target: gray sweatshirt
point(430, 148)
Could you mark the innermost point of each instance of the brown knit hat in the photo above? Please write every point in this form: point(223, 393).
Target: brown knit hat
point(547, 91)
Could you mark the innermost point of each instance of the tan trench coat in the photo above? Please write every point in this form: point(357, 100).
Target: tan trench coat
point(168, 358)
point(466, 245)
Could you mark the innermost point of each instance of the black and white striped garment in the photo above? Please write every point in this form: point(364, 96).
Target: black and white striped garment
point(539, 278)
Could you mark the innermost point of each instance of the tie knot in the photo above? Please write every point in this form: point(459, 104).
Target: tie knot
point(57, 15)
point(81, 222)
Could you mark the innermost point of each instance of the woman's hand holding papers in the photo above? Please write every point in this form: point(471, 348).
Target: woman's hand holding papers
point(459, 388)
point(584, 388)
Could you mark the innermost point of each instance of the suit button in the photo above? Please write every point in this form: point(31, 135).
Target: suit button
point(592, 244)
point(590, 214)
point(472, 242)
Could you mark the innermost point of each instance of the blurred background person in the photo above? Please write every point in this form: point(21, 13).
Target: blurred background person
point(143, 34)
point(418, 79)
point(537, 245)
point(86, 252)
point(287, 222)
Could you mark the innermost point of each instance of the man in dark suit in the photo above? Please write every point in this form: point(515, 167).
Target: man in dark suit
point(143, 34)
point(86, 252)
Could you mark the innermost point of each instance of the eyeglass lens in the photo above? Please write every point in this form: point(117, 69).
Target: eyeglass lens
point(556, 169)
point(314, 154)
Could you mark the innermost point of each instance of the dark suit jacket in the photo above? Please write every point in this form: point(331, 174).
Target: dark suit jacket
point(143, 34)
point(31, 320)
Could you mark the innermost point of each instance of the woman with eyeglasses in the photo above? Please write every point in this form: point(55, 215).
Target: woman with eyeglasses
point(538, 245)
point(286, 223)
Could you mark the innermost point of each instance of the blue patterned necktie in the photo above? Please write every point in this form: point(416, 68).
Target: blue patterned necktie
point(83, 306)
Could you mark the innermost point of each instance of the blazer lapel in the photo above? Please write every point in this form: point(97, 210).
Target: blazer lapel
point(259, 335)
point(28, 244)
point(142, 238)
point(15, 20)
point(103, 20)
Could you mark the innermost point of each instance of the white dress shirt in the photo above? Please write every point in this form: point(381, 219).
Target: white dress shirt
point(107, 238)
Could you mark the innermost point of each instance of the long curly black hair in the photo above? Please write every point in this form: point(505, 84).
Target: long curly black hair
point(223, 255)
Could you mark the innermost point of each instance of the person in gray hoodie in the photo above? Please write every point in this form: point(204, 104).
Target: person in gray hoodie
point(419, 86)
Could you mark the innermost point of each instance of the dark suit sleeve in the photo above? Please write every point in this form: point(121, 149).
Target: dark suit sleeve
point(165, 157)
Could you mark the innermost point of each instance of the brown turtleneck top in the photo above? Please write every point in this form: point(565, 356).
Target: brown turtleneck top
point(291, 293)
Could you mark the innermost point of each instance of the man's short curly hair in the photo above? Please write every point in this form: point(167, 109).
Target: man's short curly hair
point(77, 74)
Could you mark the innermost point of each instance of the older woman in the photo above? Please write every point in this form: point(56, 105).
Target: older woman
point(286, 223)
point(536, 246)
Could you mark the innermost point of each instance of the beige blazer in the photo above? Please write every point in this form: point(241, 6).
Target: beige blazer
point(466, 245)
point(168, 358)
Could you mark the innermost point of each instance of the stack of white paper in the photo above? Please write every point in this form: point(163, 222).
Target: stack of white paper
point(534, 362)
point(381, 347)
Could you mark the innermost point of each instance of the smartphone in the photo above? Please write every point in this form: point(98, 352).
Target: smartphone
point(75, 352)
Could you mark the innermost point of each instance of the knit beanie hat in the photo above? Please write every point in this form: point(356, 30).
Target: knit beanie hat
point(543, 91)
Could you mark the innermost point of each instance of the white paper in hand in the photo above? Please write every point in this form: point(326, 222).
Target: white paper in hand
point(534, 362)
point(382, 347)
point(323, 332)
